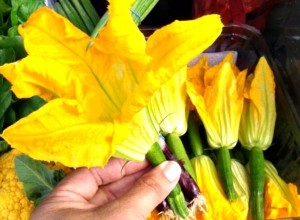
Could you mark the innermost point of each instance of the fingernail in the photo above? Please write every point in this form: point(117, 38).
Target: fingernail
point(171, 170)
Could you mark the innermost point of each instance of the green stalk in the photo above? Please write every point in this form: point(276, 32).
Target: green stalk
point(140, 7)
point(84, 15)
point(226, 176)
point(176, 146)
point(194, 137)
point(72, 14)
point(257, 182)
point(100, 25)
point(175, 199)
point(91, 11)
point(60, 9)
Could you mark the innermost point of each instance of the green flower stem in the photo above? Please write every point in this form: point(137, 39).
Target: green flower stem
point(194, 137)
point(257, 182)
point(73, 15)
point(176, 146)
point(177, 202)
point(140, 9)
point(175, 199)
point(83, 15)
point(103, 20)
point(60, 9)
point(91, 11)
point(226, 176)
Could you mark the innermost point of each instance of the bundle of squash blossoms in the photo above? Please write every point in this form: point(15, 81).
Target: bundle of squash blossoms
point(121, 95)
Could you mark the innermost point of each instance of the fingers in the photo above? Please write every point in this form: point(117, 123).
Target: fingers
point(145, 195)
point(116, 169)
point(114, 190)
point(82, 184)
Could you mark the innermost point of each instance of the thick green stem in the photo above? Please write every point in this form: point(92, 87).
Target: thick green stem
point(103, 20)
point(193, 133)
point(60, 9)
point(176, 198)
point(91, 11)
point(257, 182)
point(83, 15)
point(73, 15)
point(176, 146)
point(226, 176)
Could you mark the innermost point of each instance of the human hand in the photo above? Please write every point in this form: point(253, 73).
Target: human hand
point(114, 192)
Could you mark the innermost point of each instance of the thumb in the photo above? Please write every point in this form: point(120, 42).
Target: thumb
point(150, 190)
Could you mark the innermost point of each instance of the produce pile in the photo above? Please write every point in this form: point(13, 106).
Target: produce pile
point(75, 92)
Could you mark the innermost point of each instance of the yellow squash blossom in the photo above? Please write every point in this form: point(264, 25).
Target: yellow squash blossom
point(281, 199)
point(168, 105)
point(218, 206)
point(257, 129)
point(217, 93)
point(259, 113)
point(97, 89)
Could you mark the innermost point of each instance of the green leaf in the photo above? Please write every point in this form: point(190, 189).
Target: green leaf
point(15, 43)
point(1, 125)
point(21, 10)
point(24, 107)
point(5, 96)
point(4, 147)
point(38, 180)
point(4, 7)
point(10, 116)
point(7, 55)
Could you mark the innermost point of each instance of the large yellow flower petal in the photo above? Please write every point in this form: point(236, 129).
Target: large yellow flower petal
point(259, 113)
point(33, 76)
point(176, 44)
point(121, 36)
point(58, 131)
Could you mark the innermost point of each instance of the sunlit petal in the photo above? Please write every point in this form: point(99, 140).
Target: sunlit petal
point(34, 76)
point(59, 132)
point(174, 45)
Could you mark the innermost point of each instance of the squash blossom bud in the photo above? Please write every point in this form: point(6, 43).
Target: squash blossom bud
point(217, 93)
point(259, 112)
